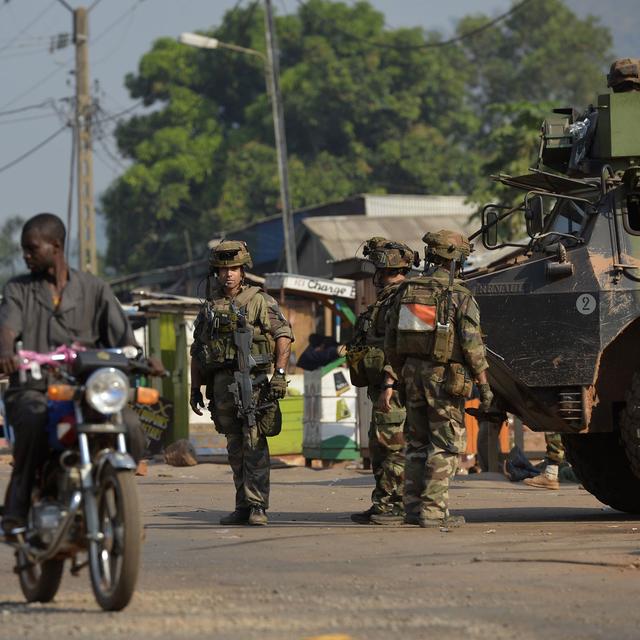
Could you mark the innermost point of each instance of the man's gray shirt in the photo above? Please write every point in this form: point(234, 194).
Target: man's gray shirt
point(88, 313)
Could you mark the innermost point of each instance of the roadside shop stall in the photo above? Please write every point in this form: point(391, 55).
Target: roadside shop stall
point(328, 429)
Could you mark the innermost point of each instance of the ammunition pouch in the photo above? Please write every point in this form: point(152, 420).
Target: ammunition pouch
point(373, 364)
point(262, 350)
point(357, 373)
point(443, 343)
point(269, 419)
point(458, 382)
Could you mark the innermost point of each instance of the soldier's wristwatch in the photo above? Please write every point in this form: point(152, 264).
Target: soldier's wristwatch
point(280, 371)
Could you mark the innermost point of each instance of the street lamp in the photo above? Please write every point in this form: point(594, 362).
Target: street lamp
point(273, 89)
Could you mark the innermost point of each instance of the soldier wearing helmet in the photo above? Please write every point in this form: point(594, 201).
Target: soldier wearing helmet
point(229, 305)
point(433, 341)
point(366, 358)
point(624, 75)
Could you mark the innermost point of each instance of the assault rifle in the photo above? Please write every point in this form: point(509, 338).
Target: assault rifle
point(242, 387)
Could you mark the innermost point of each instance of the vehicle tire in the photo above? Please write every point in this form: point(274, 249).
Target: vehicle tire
point(630, 425)
point(114, 561)
point(600, 462)
point(39, 582)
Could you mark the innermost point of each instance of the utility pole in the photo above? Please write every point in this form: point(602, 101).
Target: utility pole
point(86, 212)
point(273, 84)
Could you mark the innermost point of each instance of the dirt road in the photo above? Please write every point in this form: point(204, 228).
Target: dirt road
point(529, 564)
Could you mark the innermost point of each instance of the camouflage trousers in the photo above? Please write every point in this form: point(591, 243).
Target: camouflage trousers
point(435, 436)
point(386, 449)
point(555, 448)
point(248, 452)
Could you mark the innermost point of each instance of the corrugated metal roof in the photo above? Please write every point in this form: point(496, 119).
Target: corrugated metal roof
point(407, 205)
point(343, 235)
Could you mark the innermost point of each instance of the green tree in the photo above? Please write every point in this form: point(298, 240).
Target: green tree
point(368, 109)
point(542, 56)
point(363, 114)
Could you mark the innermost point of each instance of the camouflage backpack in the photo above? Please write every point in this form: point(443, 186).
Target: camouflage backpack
point(421, 308)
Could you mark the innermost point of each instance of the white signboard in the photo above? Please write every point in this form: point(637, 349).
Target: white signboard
point(333, 288)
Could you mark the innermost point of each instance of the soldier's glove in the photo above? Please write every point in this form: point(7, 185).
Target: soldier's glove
point(486, 396)
point(196, 400)
point(278, 386)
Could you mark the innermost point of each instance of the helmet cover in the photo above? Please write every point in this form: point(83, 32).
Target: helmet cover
point(446, 244)
point(230, 253)
point(387, 254)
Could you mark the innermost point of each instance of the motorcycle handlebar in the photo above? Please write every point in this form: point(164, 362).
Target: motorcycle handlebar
point(65, 354)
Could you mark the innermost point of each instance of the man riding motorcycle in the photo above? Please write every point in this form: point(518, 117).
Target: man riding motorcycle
point(51, 306)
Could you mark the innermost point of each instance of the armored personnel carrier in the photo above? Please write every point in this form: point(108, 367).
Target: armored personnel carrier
point(561, 309)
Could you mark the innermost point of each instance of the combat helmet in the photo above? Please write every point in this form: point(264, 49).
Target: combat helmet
point(624, 75)
point(230, 253)
point(386, 254)
point(446, 244)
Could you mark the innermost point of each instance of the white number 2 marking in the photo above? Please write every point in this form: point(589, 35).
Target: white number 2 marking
point(586, 304)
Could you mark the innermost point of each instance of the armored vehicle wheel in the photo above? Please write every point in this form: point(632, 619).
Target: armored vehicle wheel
point(630, 425)
point(600, 461)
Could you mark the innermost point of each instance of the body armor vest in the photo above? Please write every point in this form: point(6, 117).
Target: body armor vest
point(365, 355)
point(215, 330)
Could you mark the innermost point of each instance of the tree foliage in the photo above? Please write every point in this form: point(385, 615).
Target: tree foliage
point(367, 109)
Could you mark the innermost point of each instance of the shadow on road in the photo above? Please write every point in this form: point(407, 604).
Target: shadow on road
point(210, 518)
point(200, 518)
point(545, 514)
point(27, 608)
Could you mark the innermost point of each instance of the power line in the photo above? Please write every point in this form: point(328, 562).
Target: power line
point(428, 45)
point(27, 119)
point(29, 41)
point(117, 46)
point(39, 146)
point(117, 21)
point(115, 116)
point(29, 25)
point(35, 85)
point(29, 107)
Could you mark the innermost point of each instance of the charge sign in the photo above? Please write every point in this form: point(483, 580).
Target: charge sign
point(586, 304)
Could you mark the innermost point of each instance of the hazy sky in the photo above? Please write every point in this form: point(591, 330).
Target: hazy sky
point(120, 32)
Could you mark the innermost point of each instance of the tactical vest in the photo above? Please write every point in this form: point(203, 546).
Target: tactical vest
point(365, 355)
point(423, 330)
point(216, 327)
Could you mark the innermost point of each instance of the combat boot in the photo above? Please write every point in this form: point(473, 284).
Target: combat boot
point(239, 516)
point(448, 522)
point(363, 517)
point(392, 518)
point(542, 482)
point(258, 517)
point(546, 480)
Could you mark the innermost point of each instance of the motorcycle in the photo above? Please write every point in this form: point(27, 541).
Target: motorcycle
point(84, 506)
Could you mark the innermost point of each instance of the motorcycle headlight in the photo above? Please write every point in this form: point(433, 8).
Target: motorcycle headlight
point(107, 390)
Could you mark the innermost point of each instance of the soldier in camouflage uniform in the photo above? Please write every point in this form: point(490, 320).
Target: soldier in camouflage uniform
point(365, 355)
point(214, 361)
point(433, 339)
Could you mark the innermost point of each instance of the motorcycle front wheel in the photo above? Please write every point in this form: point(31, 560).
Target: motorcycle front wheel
point(115, 558)
point(39, 582)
